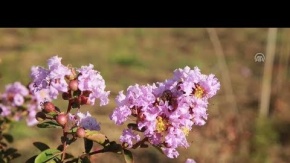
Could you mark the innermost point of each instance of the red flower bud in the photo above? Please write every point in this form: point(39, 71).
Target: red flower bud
point(48, 107)
point(80, 132)
point(73, 85)
point(61, 119)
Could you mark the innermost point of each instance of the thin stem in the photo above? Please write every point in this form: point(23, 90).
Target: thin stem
point(64, 143)
point(68, 107)
point(139, 143)
point(65, 134)
point(95, 152)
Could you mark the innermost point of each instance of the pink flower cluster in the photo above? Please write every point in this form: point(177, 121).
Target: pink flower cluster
point(56, 76)
point(14, 96)
point(17, 100)
point(166, 112)
point(52, 78)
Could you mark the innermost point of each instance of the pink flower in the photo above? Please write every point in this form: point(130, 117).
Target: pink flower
point(14, 94)
point(170, 152)
point(166, 111)
point(5, 110)
point(52, 78)
point(91, 80)
point(128, 136)
point(120, 115)
point(88, 122)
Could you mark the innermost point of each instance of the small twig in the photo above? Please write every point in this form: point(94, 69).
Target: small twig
point(95, 152)
point(64, 143)
point(68, 107)
point(65, 134)
point(136, 145)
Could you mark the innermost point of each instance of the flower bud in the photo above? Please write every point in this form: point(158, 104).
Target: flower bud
point(40, 116)
point(80, 132)
point(48, 107)
point(61, 119)
point(73, 85)
point(66, 96)
point(73, 74)
point(83, 100)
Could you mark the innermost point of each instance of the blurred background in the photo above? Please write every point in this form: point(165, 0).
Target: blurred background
point(237, 130)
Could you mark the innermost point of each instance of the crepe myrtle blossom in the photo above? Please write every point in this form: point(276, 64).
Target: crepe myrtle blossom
point(39, 97)
point(30, 119)
point(57, 77)
point(14, 94)
point(52, 78)
point(86, 121)
point(128, 136)
point(35, 103)
point(165, 112)
point(4, 110)
point(17, 96)
point(13, 97)
point(91, 80)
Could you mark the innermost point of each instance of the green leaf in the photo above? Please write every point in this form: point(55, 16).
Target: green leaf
point(68, 155)
point(88, 145)
point(41, 146)
point(48, 124)
point(114, 147)
point(53, 113)
point(8, 137)
point(84, 160)
point(10, 151)
point(3, 144)
point(144, 145)
point(48, 156)
point(97, 137)
point(15, 155)
point(31, 159)
point(128, 156)
point(73, 130)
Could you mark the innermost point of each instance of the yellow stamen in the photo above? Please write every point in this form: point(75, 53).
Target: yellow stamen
point(185, 130)
point(161, 124)
point(42, 93)
point(199, 91)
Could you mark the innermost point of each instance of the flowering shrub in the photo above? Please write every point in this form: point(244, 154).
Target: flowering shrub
point(162, 113)
point(165, 112)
